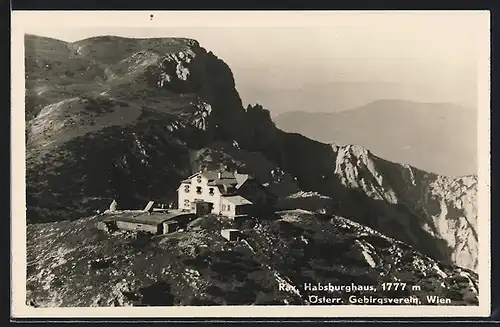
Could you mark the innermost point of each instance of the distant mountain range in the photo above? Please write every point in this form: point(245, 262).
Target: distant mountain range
point(346, 95)
point(436, 137)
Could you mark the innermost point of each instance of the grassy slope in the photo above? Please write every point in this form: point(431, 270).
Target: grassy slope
point(91, 115)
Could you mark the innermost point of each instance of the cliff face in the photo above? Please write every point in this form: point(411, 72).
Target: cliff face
point(436, 214)
point(129, 118)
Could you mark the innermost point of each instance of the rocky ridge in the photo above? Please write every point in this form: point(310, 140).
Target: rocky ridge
point(199, 267)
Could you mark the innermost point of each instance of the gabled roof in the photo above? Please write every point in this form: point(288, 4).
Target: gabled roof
point(241, 178)
point(226, 189)
point(226, 180)
point(154, 218)
point(223, 182)
point(192, 175)
point(237, 200)
point(214, 175)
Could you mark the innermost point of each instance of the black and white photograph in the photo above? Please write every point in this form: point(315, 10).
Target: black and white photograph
point(251, 163)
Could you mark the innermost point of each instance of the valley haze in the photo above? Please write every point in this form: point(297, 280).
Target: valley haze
point(127, 119)
point(437, 137)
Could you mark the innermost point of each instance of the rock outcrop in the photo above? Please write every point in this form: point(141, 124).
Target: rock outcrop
point(270, 265)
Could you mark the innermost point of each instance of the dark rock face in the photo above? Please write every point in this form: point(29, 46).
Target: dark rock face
point(129, 124)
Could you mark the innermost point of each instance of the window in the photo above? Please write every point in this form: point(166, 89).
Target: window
point(198, 178)
point(211, 191)
point(186, 188)
point(228, 207)
point(198, 190)
point(186, 203)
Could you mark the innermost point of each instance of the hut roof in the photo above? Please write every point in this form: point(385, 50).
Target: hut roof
point(237, 200)
point(154, 218)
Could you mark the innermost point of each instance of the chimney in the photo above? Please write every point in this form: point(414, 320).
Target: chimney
point(112, 206)
point(219, 174)
point(149, 207)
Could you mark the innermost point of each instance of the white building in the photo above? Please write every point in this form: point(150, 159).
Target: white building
point(225, 193)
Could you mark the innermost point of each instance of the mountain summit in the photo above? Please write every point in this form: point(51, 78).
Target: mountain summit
point(112, 118)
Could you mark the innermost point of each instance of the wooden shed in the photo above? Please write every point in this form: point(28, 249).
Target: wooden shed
point(153, 222)
point(145, 223)
point(231, 234)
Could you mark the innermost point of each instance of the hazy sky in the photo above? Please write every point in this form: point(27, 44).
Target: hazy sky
point(430, 56)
